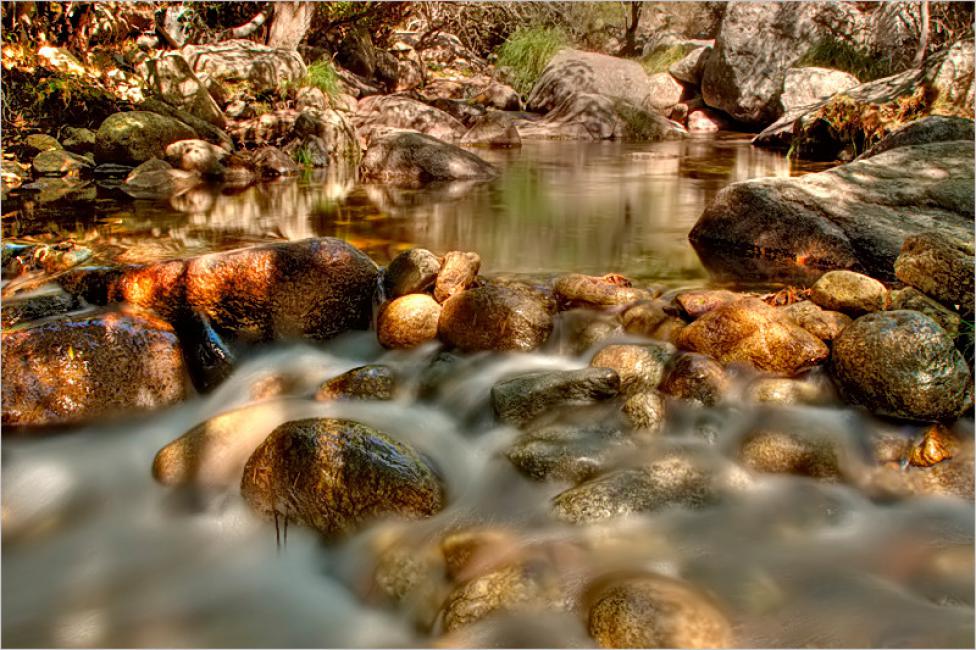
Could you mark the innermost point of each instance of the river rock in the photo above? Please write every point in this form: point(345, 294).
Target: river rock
point(78, 140)
point(520, 399)
point(901, 363)
point(645, 411)
point(264, 68)
point(932, 128)
point(332, 135)
point(156, 179)
point(508, 588)
point(583, 328)
point(787, 392)
point(408, 321)
point(700, 302)
point(495, 318)
point(750, 331)
point(655, 611)
point(40, 142)
point(134, 137)
point(849, 292)
point(571, 72)
point(673, 478)
point(640, 367)
point(89, 367)
point(810, 85)
point(463, 111)
point(376, 112)
point(495, 129)
point(756, 44)
point(196, 156)
point(940, 265)
point(414, 158)
point(35, 307)
point(58, 162)
point(853, 217)
point(695, 377)
point(334, 475)
point(576, 290)
point(791, 452)
point(664, 92)
point(500, 96)
point(271, 162)
point(653, 319)
point(172, 80)
point(915, 300)
point(568, 452)
point(373, 382)
point(213, 453)
point(689, 68)
point(412, 271)
point(315, 288)
point(592, 117)
point(825, 325)
point(458, 272)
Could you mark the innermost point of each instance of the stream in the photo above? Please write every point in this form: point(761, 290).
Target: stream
point(97, 554)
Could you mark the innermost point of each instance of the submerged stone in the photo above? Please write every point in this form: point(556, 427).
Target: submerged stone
point(520, 399)
point(640, 367)
point(373, 382)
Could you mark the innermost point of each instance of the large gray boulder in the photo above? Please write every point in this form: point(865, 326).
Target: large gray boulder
point(378, 112)
point(855, 216)
point(757, 43)
point(410, 158)
point(572, 71)
point(810, 85)
point(588, 116)
point(134, 137)
point(265, 68)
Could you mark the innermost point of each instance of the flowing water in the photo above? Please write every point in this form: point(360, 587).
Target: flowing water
point(96, 554)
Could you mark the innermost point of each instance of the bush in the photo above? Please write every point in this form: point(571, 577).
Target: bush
point(322, 75)
point(526, 53)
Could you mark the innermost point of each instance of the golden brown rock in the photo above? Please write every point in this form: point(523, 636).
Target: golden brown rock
point(495, 318)
point(825, 325)
point(408, 321)
point(575, 289)
point(375, 382)
point(640, 367)
point(850, 292)
point(702, 301)
point(653, 319)
point(695, 377)
point(458, 272)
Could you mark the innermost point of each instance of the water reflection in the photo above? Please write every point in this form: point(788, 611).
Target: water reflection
point(557, 206)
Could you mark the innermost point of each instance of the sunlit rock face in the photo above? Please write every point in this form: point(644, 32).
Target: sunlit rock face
point(89, 367)
point(855, 216)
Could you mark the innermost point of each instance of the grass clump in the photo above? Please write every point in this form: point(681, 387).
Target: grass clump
point(663, 58)
point(527, 52)
point(840, 55)
point(322, 75)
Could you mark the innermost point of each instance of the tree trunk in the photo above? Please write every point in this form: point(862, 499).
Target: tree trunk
point(923, 38)
point(291, 21)
point(630, 35)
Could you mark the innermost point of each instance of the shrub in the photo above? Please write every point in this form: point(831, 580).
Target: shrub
point(322, 75)
point(830, 52)
point(527, 52)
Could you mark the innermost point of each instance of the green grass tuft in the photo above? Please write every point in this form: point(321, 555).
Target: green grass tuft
point(527, 52)
point(830, 52)
point(322, 75)
point(663, 58)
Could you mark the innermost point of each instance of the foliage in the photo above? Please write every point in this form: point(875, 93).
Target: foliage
point(527, 52)
point(303, 157)
point(322, 75)
point(856, 125)
point(663, 58)
point(832, 52)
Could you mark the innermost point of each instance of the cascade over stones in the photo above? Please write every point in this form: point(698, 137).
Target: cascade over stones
point(901, 363)
point(334, 475)
point(90, 366)
point(855, 216)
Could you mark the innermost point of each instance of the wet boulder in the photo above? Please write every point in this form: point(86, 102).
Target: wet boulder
point(412, 271)
point(35, 307)
point(156, 179)
point(750, 331)
point(458, 272)
point(134, 137)
point(653, 319)
point(315, 288)
point(508, 588)
point(408, 321)
point(39, 142)
point(787, 392)
point(496, 129)
point(520, 399)
point(795, 452)
point(593, 117)
point(901, 363)
point(849, 292)
point(78, 140)
point(495, 318)
point(915, 300)
point(576, 289)
point(940, 265)
point(373, 382)
point(855, 216)
point(414, 158)
point(701, 301)
point(640, 367)
point(89, 367)
point(695, 377)
point(196, 156)
point(334, 475)
point(646, 411)
point(568, 451)
point(58, 162)
point(824, 324)
point(654, 611)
